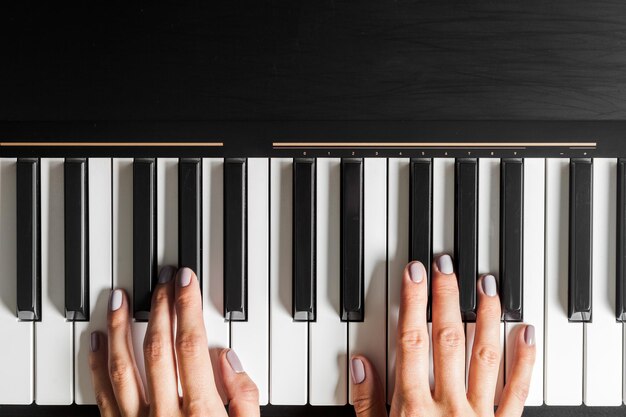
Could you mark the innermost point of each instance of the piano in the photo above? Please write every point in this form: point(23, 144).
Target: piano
point(297, 156)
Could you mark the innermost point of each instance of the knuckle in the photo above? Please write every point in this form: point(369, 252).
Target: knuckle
point(160, 296)
point(520, 392)
point(413, 340)
point(196, 408)
point(487, 356)
point(490, 310)
point(103, 402)
point(450, 337)
point(187, 300)
point(94, 363)
point(364, 403)
point(119, 370)
point(190, 344)
point(118, 320)
point(154, 347)
point(248, 392)
point(446, 287)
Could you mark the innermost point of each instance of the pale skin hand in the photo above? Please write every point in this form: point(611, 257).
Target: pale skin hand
point(412, 396)
point(117, 384)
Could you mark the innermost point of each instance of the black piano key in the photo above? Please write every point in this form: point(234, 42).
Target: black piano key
point(620, 281)
point(511, 238)
point(144, 235)
point(190, 215)
point(420, 215)
point(466, 233)
point(235, 240)
point(304, 283)
point(352, 291)
point(28, 229)
point(76, 240)
point(580, 239)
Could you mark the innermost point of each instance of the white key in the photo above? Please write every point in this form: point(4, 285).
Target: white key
point(167, 235)
point(533, 274)
point(250, 339)
point(123, 248)
point(100, 274)
point(16, 349)
point(564, 340)
point(443, 221)
point(367, 337)
point(288, 338)
point(603, 336)
point(54, 340)
point(398, 256)
point(328, 342)
point(217, 328)
point(488, 245)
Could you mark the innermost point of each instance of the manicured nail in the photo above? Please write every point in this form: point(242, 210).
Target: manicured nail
point(95, 342)
point(529, 335)
point(116, 299)
point(234, 361)
point(167, 272)
point(416, 271)
point(444, 263)
point(184, 277)
point(489, 285)
point(357, 370)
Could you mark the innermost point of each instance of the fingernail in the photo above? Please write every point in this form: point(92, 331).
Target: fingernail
point(444, 263)
point(416, 271)
point(489, 285)
point(116, 299)
point(184, 277)
point(529, 335)
point(166, 274)
point(234, 361)
point(357, 370)
point(95, 342)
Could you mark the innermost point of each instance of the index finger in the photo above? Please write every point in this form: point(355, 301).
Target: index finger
point(194, 363)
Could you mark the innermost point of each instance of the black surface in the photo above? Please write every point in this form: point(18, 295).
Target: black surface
point(235, 240)
point(580, 239)
point(304, 240)
point(144, 236)
point(190, 215)
point(352, 279)
point(76, 239)
point(620, 278)
point(466, 233)
point(511, 238)
point(303, 411)
point(28, 228)
point(421, 216)
point(314, 60)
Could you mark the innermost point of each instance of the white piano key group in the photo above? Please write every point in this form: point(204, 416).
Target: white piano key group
point(293, 362)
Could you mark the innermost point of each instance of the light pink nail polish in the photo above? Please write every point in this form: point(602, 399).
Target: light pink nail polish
point(116, 300)
point(416, 272)
point(357, 370)
point(234, 361)
point(184, 277)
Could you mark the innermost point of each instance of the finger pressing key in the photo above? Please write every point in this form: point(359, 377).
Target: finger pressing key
point(194, 364)
point(159, 348)
point(105, 398)
point(125, 378)
point(448, 333)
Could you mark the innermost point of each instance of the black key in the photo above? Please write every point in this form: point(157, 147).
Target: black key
point(76, 240)
point(144, 236)
point(421, 214)
point(304, 283)
point(580, 235)
point(511, 238)
point(28, 229)
point(190, 215)
point(620, 281)
point(235, 240)
point(466, 233)
point(352, 292)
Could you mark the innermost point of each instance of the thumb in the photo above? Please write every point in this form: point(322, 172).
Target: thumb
point(367, 391)
point(241, 393)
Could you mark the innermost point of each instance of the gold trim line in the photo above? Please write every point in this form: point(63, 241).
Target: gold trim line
point(427, 144)
point(107, 144)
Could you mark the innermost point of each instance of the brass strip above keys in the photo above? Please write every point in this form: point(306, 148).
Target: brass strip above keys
point(466, 145)
point(109, 144)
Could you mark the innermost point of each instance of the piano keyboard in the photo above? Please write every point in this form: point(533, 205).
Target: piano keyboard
point(297, 258)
